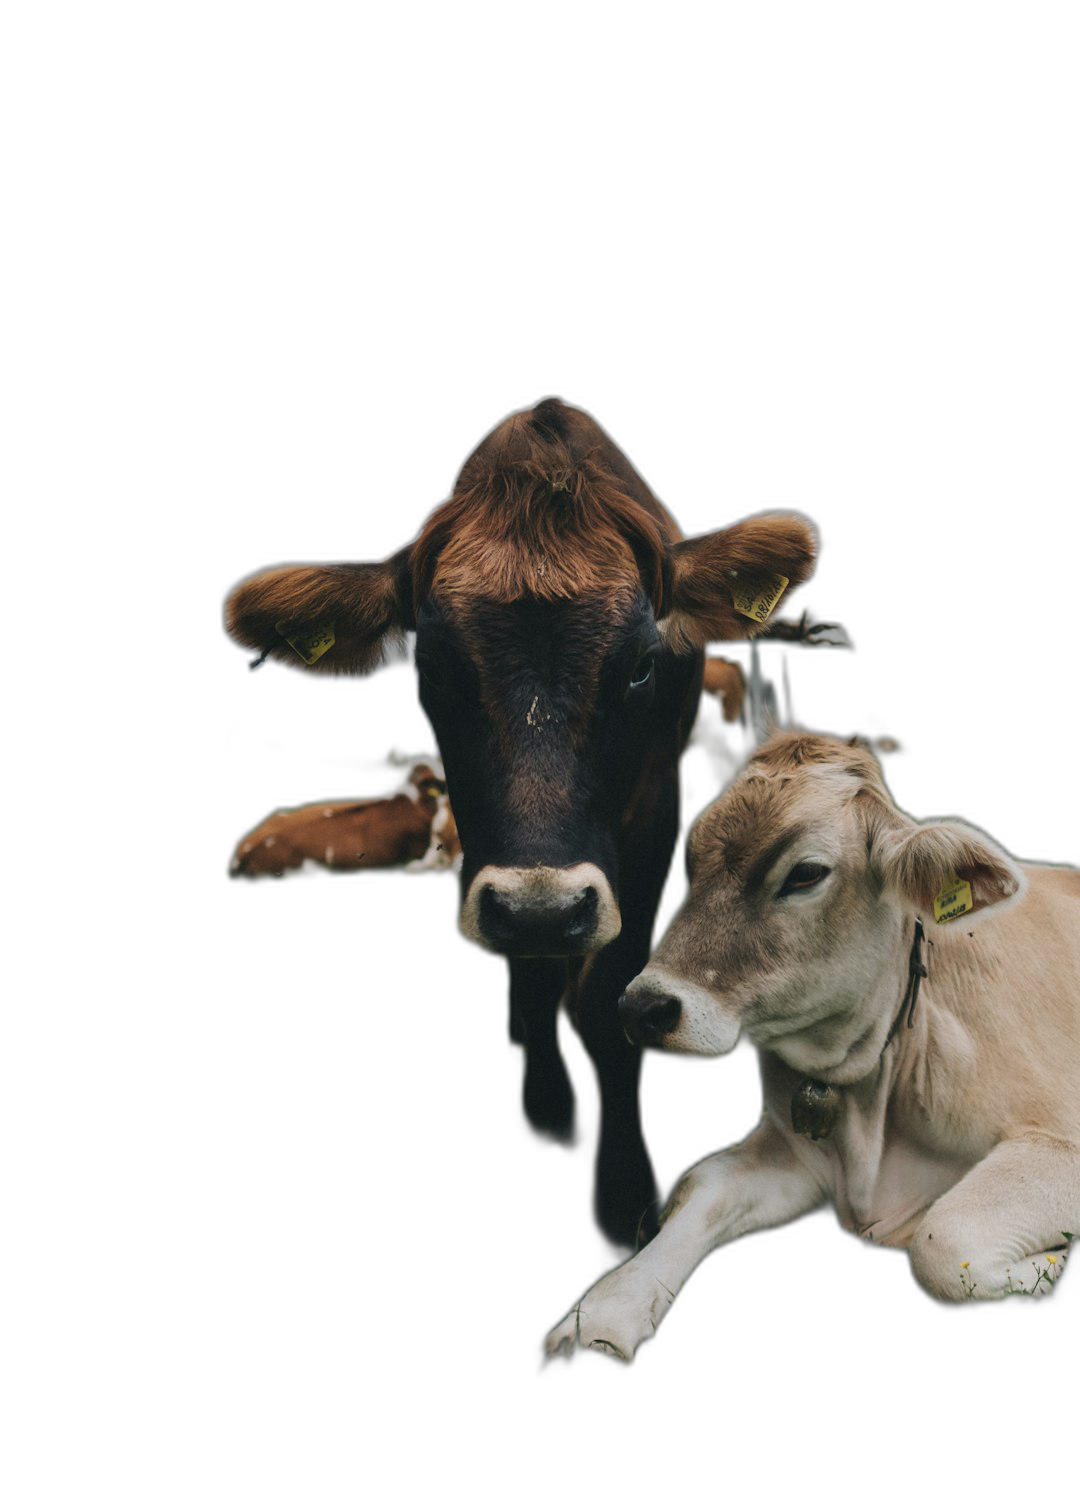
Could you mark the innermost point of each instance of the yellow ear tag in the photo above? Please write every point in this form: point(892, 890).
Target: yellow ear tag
point(758, 597)
point(953, 900)
point(308, 641)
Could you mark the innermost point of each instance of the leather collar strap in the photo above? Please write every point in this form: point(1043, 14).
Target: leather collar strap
point(815, 1104)
point(916, 972)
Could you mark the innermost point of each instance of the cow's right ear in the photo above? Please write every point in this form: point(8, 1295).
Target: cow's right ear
point(340, 618)
point(724, 586)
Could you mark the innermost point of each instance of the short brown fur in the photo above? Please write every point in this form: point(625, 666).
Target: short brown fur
point(543, 527)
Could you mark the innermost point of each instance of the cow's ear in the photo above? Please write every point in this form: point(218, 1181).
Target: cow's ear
point(944, 868)
point(724, 586)
point(340, 618)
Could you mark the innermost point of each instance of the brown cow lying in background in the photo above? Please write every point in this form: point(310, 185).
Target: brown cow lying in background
point(947, 1123)
point(414, 825)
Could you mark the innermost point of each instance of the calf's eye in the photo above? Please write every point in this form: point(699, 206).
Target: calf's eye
point(803, 877)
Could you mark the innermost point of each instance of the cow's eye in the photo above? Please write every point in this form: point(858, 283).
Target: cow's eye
point(804, 876)
point(643, 671)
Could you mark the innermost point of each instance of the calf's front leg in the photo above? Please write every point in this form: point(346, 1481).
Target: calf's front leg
point(753, 1185)
point(1001, 1229)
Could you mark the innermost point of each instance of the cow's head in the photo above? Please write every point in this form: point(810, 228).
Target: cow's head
point(805, 880)
point(558, 631)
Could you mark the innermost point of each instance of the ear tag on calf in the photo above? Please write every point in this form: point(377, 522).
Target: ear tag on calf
point(814, 1106)
point(953, 900)
point(308, 641)
point(757, 597)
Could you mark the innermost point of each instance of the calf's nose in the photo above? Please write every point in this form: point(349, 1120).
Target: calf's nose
point(647, 1015)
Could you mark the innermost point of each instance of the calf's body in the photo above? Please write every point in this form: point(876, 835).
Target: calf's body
point(955, 1124)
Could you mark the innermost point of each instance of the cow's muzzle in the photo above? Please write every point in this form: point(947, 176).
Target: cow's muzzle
point(541, 910)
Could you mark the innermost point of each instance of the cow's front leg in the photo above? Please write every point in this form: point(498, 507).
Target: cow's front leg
point(625, 1194)
point(754, 1185)
point(1001, 1230)
point(536, 989)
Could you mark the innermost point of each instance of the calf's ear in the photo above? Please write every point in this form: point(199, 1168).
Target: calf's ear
point(944, 868)
point(340, 618)
point(724, 586)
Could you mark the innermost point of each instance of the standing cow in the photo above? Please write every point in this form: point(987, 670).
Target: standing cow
point(559, 623)
point(945, 1120)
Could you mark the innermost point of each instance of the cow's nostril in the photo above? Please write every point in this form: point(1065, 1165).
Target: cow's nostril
point(580, 917)
point(559, 924)
point(648, 1017)
point(660, 1017)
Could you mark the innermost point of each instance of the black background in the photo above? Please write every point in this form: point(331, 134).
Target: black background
point(374, 1198)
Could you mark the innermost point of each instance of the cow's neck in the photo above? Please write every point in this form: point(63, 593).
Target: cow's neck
point(849, 1112)
point(844, 1037)
point(862, 1036)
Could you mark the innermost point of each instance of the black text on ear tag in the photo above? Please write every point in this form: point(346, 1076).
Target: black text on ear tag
point(308, 641)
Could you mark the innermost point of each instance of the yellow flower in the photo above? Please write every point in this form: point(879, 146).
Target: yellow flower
point(1051, 1259)
point(964, 1264)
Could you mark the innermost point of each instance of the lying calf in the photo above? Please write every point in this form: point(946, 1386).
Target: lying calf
point(414, 825)
point(946, 1120)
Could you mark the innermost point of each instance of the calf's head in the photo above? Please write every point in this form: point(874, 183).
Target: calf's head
point(805, 880)
point(558, 626)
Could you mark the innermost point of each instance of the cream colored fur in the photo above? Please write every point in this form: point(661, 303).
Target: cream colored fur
point(960, 1138)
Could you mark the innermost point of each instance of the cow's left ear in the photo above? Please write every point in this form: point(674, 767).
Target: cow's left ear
point(724, 586)
point(944, 868)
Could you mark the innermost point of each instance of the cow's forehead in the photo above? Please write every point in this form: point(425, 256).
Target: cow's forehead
point(580, 630)
point(794, 785)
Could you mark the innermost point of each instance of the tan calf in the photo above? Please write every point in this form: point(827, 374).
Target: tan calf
point(914, 995)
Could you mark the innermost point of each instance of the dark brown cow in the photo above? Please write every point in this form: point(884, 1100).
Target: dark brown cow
point(413, 827)
point(559, 622)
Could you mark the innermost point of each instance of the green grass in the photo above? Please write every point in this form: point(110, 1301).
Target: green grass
point(1046, 1276)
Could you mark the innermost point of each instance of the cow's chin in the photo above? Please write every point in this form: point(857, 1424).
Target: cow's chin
point(541, 911)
